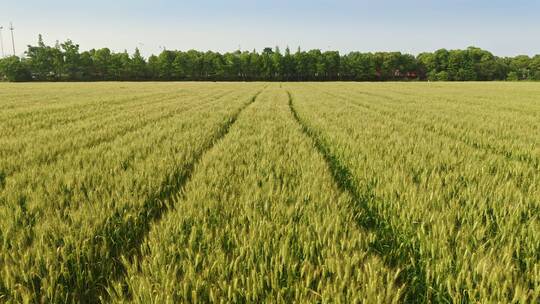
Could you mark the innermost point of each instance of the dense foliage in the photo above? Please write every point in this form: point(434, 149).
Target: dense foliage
point(65, 62)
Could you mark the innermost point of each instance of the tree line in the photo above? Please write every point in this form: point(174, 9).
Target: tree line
point(66, 62)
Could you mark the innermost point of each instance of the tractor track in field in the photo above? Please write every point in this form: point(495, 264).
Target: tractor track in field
point(396, 248)
point(112, 233)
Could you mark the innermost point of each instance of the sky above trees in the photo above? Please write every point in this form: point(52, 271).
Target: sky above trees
point(507, 28)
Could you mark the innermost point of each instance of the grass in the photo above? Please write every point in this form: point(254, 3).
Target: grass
point(254, 192)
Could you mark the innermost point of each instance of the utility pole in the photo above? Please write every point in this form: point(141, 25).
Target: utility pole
point(2, 41)
point(11, 28)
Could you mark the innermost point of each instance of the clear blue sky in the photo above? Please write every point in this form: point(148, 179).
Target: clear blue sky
point(506, 28)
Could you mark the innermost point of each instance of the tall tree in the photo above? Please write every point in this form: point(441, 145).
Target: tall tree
point(287, 65)
point(72, 60)
point(40, 60)
point(138, 68)
point(102, 63)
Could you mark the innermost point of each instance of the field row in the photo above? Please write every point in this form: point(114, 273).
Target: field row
point(71, 211)
point(201, 192)
point(464, 208)
point(261, 220)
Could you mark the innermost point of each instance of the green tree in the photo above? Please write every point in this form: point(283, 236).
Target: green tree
point(427, 65)
point(137, 68)
point(232, 64)
point(301, 63)
point(287, 65)
point(165, 62)
point(332, 62)
point(267, 64)
point(153, 68)
point(66, 62)
point(40, 60)
point(442, 76)
point(102, 63)
point(277, 61)
point(57, 57)
point(14, 69)
point(512, 76)
point(521, 66)
point(534, 67)
point(72, 60)
point(119, 68)
point(86, 65)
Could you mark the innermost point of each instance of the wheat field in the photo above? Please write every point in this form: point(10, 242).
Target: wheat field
point(270, 192)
